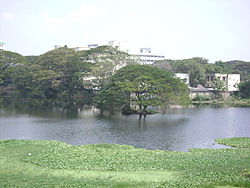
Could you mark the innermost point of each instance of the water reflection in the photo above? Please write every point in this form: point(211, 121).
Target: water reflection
point(177, 129)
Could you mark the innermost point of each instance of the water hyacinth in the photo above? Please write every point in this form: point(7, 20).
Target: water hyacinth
point(111, 165)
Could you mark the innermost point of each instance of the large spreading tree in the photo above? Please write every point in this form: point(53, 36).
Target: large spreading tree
point(139, 87)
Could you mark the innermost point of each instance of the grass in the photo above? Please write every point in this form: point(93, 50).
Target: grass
point(239, 142)
point(55, 164)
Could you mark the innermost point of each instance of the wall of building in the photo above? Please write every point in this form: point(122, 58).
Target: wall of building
point(119, 45)
point(145, 56)
point(231, 80)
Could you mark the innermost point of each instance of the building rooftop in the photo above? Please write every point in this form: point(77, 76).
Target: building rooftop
point(199, 88)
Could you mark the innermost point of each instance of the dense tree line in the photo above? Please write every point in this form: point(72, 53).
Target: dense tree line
point(198, 67)
point(9, 61)
point(237, 67)
point(66, 76)
point(61, 75)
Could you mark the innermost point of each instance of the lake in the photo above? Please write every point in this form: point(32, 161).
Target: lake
point(177, 129)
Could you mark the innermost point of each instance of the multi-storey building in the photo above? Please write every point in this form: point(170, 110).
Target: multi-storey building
point(231, 81)
point(92, 46)
point(145, 56)
point(119, 45)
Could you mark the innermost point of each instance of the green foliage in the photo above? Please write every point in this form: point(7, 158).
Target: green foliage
point(239, 142)
point(105, 61)
point(140, 86)
point(201, 98)
point(9, 61)
point(197, 68)
point(236, 67)
point(110, 97)
point(59, 75)
point(213, 68)
point(244, 89)
point(219, 86)
point(56, 74)
point(64, 74)
point(194, 67)
point(56, 164)
point(14, 172)
point(31, 59)
point(229, 102)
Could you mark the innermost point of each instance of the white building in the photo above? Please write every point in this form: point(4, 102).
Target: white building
point(92, 46)
point(119, 45)
point(60, 46)
point(184, 77)
point(82, 48)
point(145, 56)
point(231, 80)
point(77, 49)
point(2, 45)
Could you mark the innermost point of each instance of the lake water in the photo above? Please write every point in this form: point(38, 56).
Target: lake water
point(178, 129)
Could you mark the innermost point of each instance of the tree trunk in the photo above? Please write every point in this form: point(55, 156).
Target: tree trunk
point(140, 116)
point(140, 111)
point(144, 112)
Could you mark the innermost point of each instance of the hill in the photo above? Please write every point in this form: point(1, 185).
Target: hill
point(236, 67)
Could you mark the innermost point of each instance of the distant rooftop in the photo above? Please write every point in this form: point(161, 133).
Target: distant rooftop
point(199, 88)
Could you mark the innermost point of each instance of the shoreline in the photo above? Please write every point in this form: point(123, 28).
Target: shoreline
point(230, 103)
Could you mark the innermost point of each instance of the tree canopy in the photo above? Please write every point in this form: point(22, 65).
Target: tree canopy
point(196, 67)
point(140, 86)
point(244, 89)
point(66, 75)
point(219, 86)
point(236, 67)
point(8, 62)
point(60, 75)
point(105, 62)
point(53, 75)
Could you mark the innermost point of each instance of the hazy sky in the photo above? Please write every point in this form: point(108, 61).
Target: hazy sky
point(213, 29)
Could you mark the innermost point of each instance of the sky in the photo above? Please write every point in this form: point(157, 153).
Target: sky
point(179, 29)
